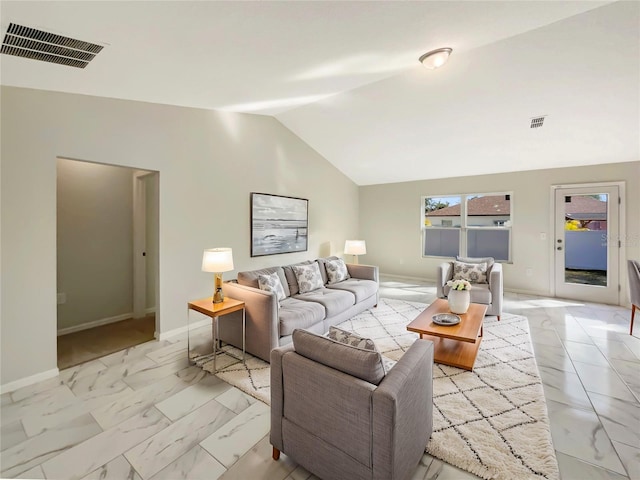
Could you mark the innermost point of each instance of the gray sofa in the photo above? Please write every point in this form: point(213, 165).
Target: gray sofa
point(269, 323)
point(335, 412)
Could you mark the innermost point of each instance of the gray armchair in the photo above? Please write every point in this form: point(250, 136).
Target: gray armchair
point(338, 425)
point(490, 293)
point(634, 288)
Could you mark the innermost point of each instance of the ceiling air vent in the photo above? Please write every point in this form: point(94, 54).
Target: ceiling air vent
point(48, 47)
point(536, 122)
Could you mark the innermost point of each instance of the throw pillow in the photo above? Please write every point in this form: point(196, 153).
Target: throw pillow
point(271, 283)
point(471, 272)
point(488, 260)
point(308, 277)
point(350, 338)
point(336, 270)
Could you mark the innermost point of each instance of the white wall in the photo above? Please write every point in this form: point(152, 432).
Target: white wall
point(208, 161)
point(94, 241)
point(390, 217)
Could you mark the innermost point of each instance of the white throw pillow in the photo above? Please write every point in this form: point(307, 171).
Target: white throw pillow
point(471, 272)
point(272, 283)
point(336, 270)
point(308, 277)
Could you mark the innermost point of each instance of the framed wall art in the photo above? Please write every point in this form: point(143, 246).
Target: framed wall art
point(278, 224)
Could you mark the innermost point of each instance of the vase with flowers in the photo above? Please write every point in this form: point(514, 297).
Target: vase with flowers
point(459, 296)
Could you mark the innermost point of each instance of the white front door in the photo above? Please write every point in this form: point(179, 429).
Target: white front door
point(586, 243)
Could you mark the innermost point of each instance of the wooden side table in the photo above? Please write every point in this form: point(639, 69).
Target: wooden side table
point(215, 310)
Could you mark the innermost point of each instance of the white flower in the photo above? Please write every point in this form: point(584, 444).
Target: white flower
point(459, 285)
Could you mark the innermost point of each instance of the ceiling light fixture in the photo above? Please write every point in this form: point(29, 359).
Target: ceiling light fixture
point(435, 58)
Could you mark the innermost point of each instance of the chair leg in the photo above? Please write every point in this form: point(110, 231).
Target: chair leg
point(276, 453)
point(633, 314)
point(498, 317)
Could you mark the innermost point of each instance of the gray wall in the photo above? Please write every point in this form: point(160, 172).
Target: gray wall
point(94, 241)
point(390, 219)
point(208, 161)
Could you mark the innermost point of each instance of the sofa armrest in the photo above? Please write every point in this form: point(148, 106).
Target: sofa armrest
point(403, 413)
point(363, 272)
point(262, 325)
point(443, 275)
point(277, 395)
point(496, 287)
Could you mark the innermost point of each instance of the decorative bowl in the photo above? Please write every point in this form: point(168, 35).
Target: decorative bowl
point(446, 319)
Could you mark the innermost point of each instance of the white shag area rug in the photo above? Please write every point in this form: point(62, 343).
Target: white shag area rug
point(491, 422)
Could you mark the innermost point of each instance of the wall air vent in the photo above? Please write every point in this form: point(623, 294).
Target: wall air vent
point(48, 47)
point(536, 122)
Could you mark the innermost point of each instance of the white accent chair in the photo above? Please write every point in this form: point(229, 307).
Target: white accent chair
point(490, 294)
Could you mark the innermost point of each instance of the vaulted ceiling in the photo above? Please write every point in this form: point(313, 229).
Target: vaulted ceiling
point(344, 76)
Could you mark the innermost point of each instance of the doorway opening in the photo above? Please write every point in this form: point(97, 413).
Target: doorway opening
point(107, 258)
point(586, 246)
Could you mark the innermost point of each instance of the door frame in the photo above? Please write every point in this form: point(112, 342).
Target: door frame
point(621, 230)
point(139, 243)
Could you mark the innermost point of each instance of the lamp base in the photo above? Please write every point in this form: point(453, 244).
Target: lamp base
point(218, 296)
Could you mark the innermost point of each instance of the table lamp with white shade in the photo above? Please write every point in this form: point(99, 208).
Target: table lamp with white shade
point(355, 248)
point(217, 261)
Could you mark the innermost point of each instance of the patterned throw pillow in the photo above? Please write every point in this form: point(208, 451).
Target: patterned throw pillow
point(272, 283)
point(308, 277)
point(471, 272)
point(350, 338)
point(336, 270)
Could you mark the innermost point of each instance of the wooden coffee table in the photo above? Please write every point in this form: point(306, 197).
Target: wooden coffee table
point(455, 345)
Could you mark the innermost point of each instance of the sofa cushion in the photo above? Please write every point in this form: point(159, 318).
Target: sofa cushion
point(471, 272)
point(336, 270)
point(290, 277)
point(357, 362)
point(362, 289)
point(271, 283)
point(298, 314)
point(308, 277)
point(250, 278)
point(334, 301)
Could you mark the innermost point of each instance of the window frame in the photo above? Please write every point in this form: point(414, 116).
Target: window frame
point(464, 227)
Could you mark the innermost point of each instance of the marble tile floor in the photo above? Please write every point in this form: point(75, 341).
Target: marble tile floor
point(144, 413)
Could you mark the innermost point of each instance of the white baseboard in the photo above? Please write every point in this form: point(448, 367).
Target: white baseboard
point(95, 323)
point(150, 310)
point(23, 382)
point(181, 330)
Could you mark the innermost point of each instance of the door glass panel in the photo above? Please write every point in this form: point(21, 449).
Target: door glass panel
point(585, 248)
